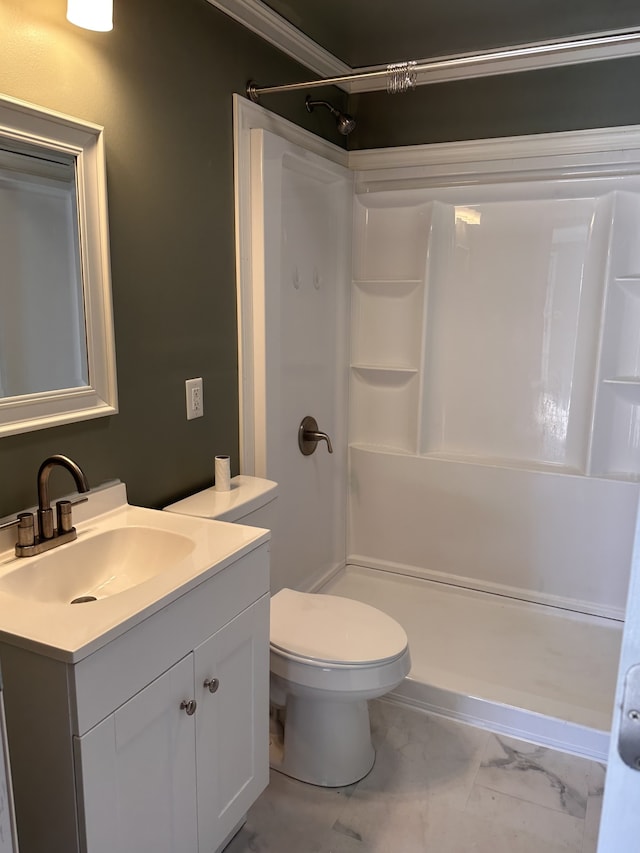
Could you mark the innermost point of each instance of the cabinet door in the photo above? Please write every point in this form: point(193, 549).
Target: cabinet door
point(137, 771)
point(232, 723)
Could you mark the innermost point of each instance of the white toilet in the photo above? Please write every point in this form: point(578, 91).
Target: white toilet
point(329, 655)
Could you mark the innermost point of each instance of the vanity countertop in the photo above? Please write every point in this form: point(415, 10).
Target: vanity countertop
point(46, 621)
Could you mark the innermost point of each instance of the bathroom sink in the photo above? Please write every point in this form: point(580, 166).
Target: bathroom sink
point(127, 563)
point(90, 569)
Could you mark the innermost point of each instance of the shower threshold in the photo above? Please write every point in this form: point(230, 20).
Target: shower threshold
point(535, 672)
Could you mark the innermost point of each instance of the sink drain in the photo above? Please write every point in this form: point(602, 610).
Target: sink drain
point(81, 599)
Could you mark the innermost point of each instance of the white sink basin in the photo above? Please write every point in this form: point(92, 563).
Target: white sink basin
point(129, 561)
point(105, 564)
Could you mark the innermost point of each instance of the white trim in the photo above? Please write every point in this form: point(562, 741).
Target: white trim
point(562, 735)
point(583, 153)
point(251, 116)
point(624, 139)
point(248, 116)
point(47, 130)
point(274, 29)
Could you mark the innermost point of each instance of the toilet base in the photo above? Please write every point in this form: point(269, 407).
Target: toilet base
point(323, 742)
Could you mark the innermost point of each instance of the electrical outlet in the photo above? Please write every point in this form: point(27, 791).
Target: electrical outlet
point(195, 400)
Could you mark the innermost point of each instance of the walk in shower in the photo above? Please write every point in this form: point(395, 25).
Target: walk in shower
point(473, 349)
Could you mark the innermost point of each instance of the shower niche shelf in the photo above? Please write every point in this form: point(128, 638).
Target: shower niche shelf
point(379, 374)
point(390, 237)
point(383, 285)
point(384, 403)
point(626, 385)
point(386, 323)
point(616, 436)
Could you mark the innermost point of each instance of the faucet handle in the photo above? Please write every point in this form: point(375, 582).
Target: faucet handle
point(64, 522)
point(63, 514)
point(26, 528)
point(25, 524)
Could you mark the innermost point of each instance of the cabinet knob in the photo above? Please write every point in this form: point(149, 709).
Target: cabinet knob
point(188, 705)
point(212, 684)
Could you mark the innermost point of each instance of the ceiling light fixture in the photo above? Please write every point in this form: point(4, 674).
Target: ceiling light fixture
point(91, 14)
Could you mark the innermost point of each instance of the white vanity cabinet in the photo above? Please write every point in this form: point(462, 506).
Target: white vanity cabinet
point(160, 777)
point(138, 771)
point(107, 759)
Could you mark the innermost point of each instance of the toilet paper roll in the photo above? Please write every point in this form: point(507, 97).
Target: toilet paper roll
point(223, 473)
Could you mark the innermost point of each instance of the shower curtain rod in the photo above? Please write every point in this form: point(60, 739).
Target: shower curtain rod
point(402, 76)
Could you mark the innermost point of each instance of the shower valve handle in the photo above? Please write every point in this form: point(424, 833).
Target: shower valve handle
point(309, 435)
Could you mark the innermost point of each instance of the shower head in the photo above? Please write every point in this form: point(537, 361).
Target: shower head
point(345, 122)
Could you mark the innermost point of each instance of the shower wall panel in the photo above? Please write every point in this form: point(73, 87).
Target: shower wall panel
point(301, 317)
point(554, 538)
point(495, 332)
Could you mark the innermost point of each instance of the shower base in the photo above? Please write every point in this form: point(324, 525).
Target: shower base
point(535, 672)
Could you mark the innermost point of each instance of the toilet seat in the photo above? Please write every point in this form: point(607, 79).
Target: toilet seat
point(328, 630)
point(322, 664)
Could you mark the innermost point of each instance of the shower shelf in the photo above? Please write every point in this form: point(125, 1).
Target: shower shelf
point(386, 324)
point(384, 403)
point(385, 284)
point(388, 375)
point(630, 284)
point(381, 447)
point(625, 387)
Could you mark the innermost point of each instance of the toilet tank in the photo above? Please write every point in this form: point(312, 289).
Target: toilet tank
point(250, 500)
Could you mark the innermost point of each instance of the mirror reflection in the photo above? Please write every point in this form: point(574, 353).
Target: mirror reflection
point(42, 322)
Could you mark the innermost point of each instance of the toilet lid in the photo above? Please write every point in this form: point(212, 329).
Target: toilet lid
point(333, 629)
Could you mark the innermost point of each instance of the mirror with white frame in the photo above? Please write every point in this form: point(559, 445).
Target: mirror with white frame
point(57, 353)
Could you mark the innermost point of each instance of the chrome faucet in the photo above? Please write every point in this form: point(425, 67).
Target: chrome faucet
point(31, 543)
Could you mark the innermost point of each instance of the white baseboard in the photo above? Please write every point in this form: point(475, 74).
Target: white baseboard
point(520, 723)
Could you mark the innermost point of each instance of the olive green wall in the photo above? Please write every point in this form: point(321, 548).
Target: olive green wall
point(161, 84)
point(598, 94)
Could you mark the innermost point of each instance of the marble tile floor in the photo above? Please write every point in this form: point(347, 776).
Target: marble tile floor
point(437, 786)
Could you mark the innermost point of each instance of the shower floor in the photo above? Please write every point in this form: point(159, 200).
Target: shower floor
point(535, 672)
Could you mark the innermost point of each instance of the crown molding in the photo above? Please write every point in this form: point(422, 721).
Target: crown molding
point(273, 28)
point(266, 23)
